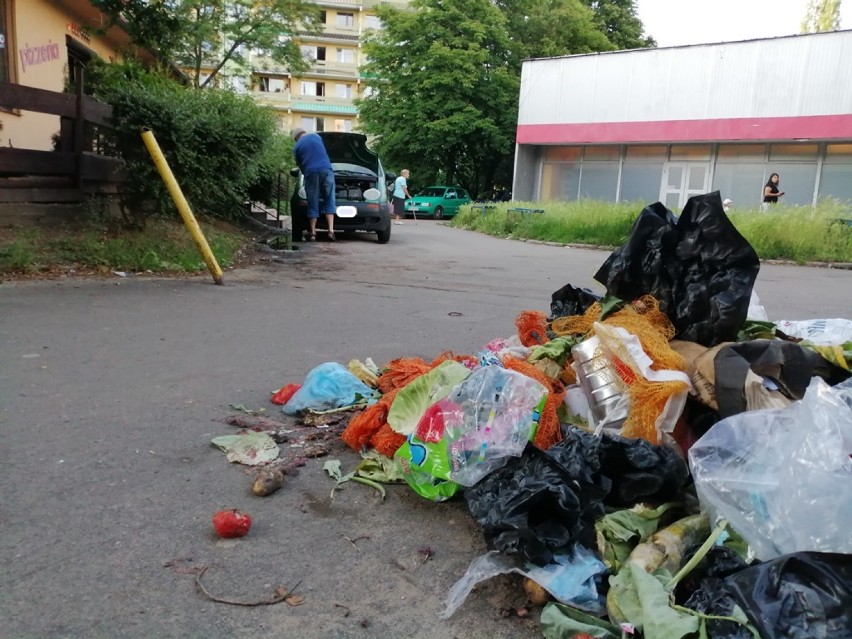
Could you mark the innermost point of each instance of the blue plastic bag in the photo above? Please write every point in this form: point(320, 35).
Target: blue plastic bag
point(329, 385)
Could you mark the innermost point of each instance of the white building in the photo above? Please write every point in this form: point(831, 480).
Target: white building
point(665, 124)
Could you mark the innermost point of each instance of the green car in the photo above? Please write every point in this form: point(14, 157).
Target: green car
point(437, 202)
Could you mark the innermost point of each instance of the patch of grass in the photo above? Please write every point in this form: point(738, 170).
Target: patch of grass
point(162, 246)
point(801, 234)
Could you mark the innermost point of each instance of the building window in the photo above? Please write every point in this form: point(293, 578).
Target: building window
point(343, 126)
point(691, 152)
point(562, 153)
point(313, 88)
point(598, 181)
point(601, 153)
point(343, 91)
point(323, 16)
point(741, 153)
point(741, 182)
point(312, 124)
point(314, 53)
point(345, 19)
point(646, 153)
point(346, 56)
point(6, 74)
point(640, 181)
point(793, 152)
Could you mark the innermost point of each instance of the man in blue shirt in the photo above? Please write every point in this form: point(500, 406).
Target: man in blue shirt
point(313, 161)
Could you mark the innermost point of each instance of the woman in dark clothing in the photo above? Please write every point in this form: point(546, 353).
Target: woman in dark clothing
point(771, 193)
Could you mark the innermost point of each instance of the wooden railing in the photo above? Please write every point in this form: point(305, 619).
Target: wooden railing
point(77, 166)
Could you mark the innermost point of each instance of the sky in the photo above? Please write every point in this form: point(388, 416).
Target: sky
point(676, 22)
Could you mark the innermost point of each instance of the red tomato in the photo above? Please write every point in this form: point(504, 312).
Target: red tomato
point(231, 523)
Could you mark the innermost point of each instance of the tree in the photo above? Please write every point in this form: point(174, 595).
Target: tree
point(822, 15)
point(207, 36)
point(545, 28)
point(617, 20)
point(444, 92)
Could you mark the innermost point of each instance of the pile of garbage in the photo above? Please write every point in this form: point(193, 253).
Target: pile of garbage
point(662, 461)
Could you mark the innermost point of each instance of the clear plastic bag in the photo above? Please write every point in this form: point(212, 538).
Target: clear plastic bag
point(486, 419)
point(783, 477)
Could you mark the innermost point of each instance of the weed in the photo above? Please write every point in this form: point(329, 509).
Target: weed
point(801, 234)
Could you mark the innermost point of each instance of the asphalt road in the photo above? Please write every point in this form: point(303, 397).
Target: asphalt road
point(111, 389)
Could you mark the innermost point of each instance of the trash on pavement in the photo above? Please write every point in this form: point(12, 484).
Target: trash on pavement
point(783, 477)
point(250, 448)
point(328, 386)
point(570, 578)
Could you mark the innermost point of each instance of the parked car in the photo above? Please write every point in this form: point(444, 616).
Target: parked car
point(437, 202)
point(361, 197)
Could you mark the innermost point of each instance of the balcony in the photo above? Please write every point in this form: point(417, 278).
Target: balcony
point(323, 104)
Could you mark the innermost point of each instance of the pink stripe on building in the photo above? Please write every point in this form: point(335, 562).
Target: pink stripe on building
point(800, 128)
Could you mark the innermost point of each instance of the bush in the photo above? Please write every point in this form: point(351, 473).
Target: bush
point(219, 145)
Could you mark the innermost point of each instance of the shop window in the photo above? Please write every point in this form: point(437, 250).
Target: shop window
point(598, 181)
point(741, 153)
point(836, 181)
point(797, 182)
point(838, 153)
point(792, 152)
point(646, 153)
point(560, 181)
point(562, 153)
point(690, 152)
point(641, 182)
point(741, 182)
point(602, 153)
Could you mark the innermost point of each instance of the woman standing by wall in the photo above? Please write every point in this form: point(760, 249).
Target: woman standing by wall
point(771, 192)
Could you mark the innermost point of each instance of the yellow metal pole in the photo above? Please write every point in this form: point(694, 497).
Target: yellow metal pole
point(182, 204)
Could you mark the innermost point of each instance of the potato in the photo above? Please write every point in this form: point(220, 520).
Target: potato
point(267, 482)
point(538, 595)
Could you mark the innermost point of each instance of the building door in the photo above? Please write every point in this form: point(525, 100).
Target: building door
point(682, 180)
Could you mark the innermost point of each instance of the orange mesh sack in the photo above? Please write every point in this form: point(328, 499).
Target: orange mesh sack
point(532, 327)
point(657, 395)
point(549, 431)
point(363, 427)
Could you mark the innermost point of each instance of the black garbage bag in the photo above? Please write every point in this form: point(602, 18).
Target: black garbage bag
point(640, 471)
point(569, 300)
point(798, 596)
point(698, 266)
point(789, 365)
point(704, 589)
point(543, 501)
point(535, 504)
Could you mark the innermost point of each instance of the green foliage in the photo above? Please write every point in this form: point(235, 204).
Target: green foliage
point(162, 246)
point(218, 34)
point(822, 15)
point(444, 105)
point(544, 28)
point(219, 145)
point(800, 234)
point(445, 78)
point(618, 21)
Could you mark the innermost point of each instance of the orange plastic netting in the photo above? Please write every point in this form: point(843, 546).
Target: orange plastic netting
point(532, 328)
point(401, 371)
point(549, 431)
point(387, 440)
point(366, 424)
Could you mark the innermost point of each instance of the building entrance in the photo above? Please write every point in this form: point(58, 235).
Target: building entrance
point(682, 180)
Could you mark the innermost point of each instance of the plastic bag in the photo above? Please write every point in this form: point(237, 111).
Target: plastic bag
point(569, 300)
point(698, 266)
point(328, 386)
point(571, 578)
point(544, 501)
point(783, 478)
point(486, 419)
point(822, 332)
point(798, 596)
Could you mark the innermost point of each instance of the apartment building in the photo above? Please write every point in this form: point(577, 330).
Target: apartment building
point(322, 98)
